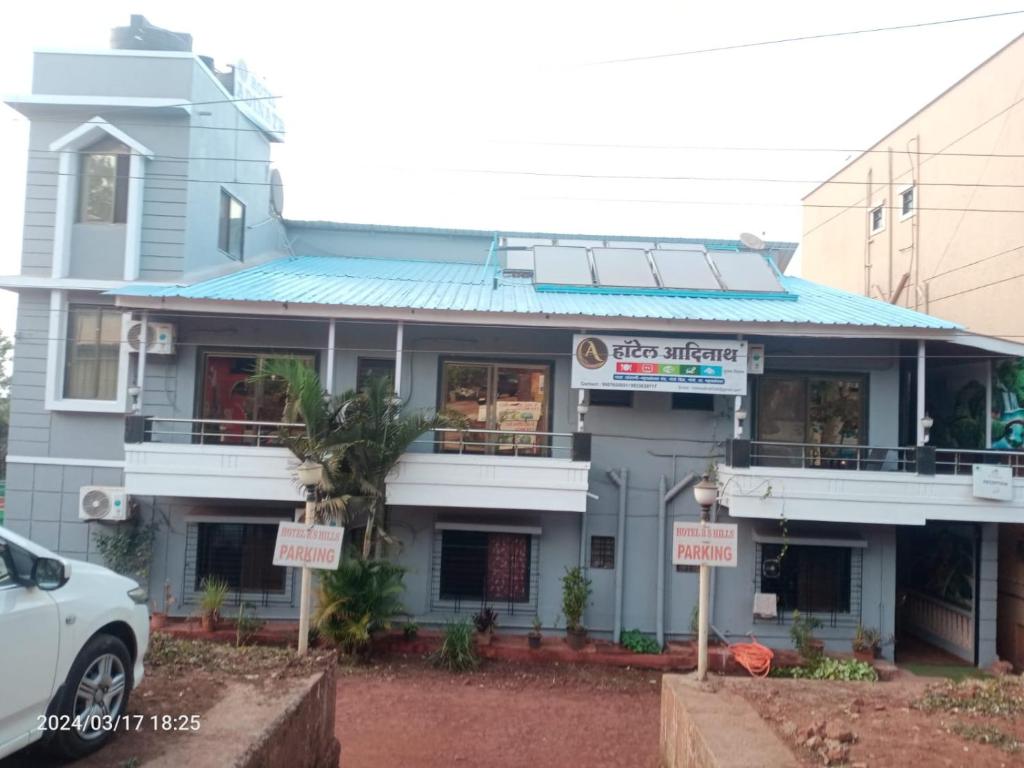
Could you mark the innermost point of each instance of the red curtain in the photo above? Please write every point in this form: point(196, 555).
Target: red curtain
point(507, 573)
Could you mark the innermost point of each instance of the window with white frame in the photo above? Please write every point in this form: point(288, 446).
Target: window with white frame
point(877, 219)
point(473, 568)
point(908, 202)
point(93, 353)
point(103, 175)
point(231, 235)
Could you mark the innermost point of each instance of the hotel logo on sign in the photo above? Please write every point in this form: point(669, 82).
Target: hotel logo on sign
point(660, 364)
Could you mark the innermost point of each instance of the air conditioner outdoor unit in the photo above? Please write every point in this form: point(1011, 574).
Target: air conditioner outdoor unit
point(99, 502)
point(159, 337)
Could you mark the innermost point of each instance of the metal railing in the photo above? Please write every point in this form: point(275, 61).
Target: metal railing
point(495, 442)
point(499, 442)
point(956, 461)
point(832, 456)
point(210, 431)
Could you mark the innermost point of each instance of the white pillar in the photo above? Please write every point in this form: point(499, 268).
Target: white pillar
point(988, 402)
point(329, 373)
point(133, 218)
point(703, 620)
point(920, 390)
point(306, 583)
point(140, 369)
point(399, 342)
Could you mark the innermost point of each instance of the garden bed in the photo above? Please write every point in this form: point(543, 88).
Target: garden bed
point(913, 722)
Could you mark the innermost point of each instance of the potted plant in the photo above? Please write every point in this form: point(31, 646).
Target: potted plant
point(485, 621)
point(158, 619)
point(801, 631)
point(534, 636)
point(410, 630)
point(867, 642)
point(575, 593)
point(214, 592)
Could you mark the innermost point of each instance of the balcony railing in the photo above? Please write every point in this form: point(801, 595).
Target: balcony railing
point(922, 460)
point(574, 446)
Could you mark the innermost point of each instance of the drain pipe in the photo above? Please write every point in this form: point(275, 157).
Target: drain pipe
point(621, 479)
point(664, 498)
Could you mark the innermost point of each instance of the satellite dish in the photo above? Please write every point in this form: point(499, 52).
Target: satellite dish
point(753, 242)
point(276, 192)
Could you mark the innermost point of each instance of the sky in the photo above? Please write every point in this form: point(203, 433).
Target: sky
point(444, 113)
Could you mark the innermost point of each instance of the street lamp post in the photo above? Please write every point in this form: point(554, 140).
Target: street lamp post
point(705, 492)
point(310, 475)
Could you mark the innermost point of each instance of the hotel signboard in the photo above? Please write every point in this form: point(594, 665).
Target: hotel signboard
point(636, 363)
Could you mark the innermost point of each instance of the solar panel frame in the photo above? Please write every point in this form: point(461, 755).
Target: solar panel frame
point(623, 268)
point(745, 271)
point(561, 265)
point(685, 269)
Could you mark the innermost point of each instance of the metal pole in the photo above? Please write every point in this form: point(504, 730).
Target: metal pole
point(399, 350)
point(329, 362)
point(659, 613)
point(621, 479)
point(702, 613)
point(305, 589)
point(921, 366)
point(140, 372)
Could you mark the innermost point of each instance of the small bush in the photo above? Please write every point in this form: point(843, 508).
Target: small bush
point(824, 668)
point(575, 594)
point(638, 642)
point(247, 624)
point(359, 598)
point(410, 629)
point(213, 592)
point(458, 650)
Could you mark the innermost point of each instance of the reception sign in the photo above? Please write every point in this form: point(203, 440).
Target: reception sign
point(636, 363)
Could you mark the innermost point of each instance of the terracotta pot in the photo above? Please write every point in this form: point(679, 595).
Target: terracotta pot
point(576, 638)
point(816, 646)
point(484, 638)
point(534, 641)
point(208, 622)
point(866, 655)
point(157, 620)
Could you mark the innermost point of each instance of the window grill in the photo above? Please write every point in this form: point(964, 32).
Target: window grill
point(821, 582)
point(602, 552)
point(474, 569)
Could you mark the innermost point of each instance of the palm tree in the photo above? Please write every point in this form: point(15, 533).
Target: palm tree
point(357, 437)
point(379, 433)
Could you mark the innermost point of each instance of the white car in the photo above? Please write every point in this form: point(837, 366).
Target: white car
point(72, 639)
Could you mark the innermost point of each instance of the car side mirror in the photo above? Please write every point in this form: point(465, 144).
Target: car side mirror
point(49, 573)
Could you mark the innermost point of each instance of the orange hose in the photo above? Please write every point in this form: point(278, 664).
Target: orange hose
point(754, 657)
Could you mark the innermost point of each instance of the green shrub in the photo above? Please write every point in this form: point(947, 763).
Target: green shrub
point(359, 598)
point(128, 549)
point(825, 668)
point(458, 647)
point(575, 593)
point(638, 642)
point(410, 629)
point(247, 624)
point(801, 631)
point(214, 591)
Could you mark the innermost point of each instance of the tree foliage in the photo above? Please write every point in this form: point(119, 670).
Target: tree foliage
point(358, 437)
point(359, 598)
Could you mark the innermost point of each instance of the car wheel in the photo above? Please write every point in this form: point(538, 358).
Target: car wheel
point(95, 695)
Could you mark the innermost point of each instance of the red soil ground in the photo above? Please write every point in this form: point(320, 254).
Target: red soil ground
point(405, 713)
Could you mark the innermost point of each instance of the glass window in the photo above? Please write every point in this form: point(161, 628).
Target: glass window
point(907, 201)
point(499, 397)
point(103, 188)
point(93, 353)
point(242, 554)
point(477, 565)
point(806, 578)
point(232, 225)
point(620, 398)
point(230, 394)
point(5, 572)
point(825, 411)
point(877, 219)
point(373, 368)
point(602, 551)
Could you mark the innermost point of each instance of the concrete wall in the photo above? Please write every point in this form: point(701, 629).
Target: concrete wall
point(945, 252)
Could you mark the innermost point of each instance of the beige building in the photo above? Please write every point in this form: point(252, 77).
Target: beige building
point(932, 217)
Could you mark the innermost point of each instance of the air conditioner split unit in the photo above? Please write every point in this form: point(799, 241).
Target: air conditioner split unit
point(98, 502)
point(159, 337)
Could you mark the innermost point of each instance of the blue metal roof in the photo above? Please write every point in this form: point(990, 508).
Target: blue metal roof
point(433, 285)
